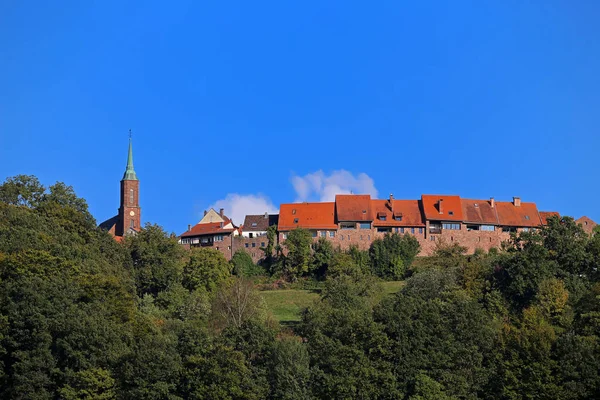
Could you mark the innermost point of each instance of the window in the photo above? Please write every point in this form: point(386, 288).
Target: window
point(369, 237)
point(246, 245)
point(401, 230)
point(472, 227)
point(382, 217)
point(489, 228)
point(331, 234)
point(313, 233)
point(435, 228)
point(476, 205)
point(364, 211)
point(432, 238)
point(132, 224)
point(396, 230)
point(509, 229)
point(250, 235)
point(525, 229)
point(412, 230)
point(204, 240)
point(294, 211)
point(421, 230)
point(228, 247)
point(295, 220)
point(398, 217)
point(347, 225)
point(131, 196)
point(384, 229)
point(365, 225)
point(527, 217)
point(348, 237)
point(253, 244)
point(262, 244)
point(254, 224)
point(284, 235)
point(218, 238)
point(450, 212)
point(217, 247)
point(454, 227)
point(323, 233)
point(342, 237)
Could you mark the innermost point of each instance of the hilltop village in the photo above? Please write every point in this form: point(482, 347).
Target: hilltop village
point(350, 220)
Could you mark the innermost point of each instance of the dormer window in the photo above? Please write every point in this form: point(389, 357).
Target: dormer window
point(254, 224)
point(381, 216)
point(450, 212)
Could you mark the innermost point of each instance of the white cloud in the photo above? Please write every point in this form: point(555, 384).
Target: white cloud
point(318, 186)
point(237, 206)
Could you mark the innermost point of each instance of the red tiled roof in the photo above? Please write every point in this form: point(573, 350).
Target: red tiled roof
point(208, 229)
point(451, 209)
point(479, 212)
point(524, 215)
point(307, 215)
point(544, 215)
point(353, 207)
point(408, 209)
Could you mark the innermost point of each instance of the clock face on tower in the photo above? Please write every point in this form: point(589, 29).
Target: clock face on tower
point(132, 213)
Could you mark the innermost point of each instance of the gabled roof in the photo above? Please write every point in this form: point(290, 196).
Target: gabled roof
point(353, 207)
point(408, 210)
point(109, 223)
point(253, 223)
point(307, 215)
point(544, 215)
point(451, 208)
point(525, 215)
point(479, 212)
point(587, 224)
point(210, 228)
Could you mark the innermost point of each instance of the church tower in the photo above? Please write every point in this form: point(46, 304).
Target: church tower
point(129, 210)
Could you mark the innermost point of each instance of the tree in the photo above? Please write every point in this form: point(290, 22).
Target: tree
point(392, 255)
point(22, 190)
point(237, 303)
point(290, 370)
point(205, 268)
point(157, 259)
point(244, 266)
point(297, 261)
point(322, 254)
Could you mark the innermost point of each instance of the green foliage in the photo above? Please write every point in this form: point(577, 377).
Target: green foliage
point(297, 261)
point(85, 317)
point(322, 255)
point(393, 255)
point(157, 259)
point(244, 266)
point(205, 268)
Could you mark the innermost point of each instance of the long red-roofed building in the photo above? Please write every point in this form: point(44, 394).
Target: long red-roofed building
point(357, 220)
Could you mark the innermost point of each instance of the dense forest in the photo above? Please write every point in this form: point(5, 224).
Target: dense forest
point(85, 317)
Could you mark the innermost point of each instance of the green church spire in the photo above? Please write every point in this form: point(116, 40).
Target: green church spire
point(129, 171)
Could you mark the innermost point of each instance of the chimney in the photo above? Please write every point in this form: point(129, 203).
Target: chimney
point(517, 201)
point(189, 227)
point(221, 212)
point(492, 202)
point(266, 215)
point(441, 206)
point(391, 197)
point(205, 212)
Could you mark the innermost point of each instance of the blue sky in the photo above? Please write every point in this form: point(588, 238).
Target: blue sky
point(252, 104)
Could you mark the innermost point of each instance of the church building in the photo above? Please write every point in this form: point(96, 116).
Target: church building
point(128, 220)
